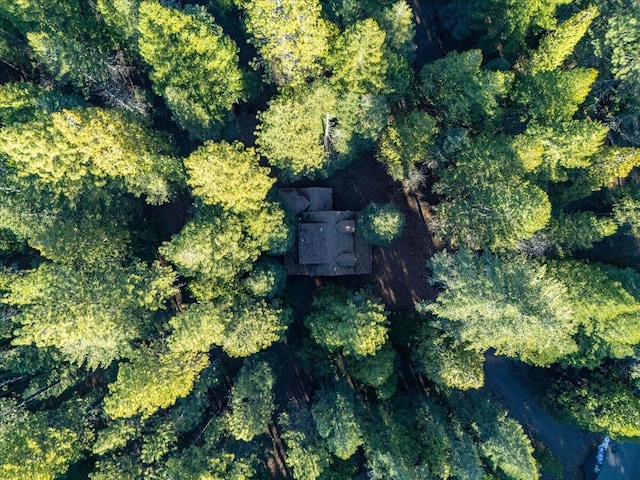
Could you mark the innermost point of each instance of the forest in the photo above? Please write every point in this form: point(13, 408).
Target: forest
point(148, 329)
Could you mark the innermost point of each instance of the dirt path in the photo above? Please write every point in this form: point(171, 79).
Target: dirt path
point(509, 380)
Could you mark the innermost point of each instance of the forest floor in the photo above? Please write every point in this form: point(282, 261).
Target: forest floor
point(511, 382)
point(399, 276)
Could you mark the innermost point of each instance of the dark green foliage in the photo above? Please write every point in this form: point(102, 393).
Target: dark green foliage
point(461, 92)
point(66, 38)
point(113, 366)
point(604, 402)
point(380, 224)
point(488, 200)
point(501, 24)
point(336, 417)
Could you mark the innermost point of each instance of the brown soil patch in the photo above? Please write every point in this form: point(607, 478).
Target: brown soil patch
point(398, 276)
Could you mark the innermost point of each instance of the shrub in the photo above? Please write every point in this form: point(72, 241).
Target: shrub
point(380, 224)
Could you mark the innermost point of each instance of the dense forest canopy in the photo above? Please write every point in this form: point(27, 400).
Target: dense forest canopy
point(148, 327)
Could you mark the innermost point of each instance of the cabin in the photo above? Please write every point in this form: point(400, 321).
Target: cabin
point(326, 242)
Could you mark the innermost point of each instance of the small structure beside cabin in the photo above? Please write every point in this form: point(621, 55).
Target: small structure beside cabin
point(326, 242)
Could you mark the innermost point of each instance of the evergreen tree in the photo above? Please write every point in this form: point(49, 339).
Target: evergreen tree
point(40, 444)
point(228, 175)
point(153, 379)
point(215, 248)
point(300, 133)
point(359, 60)
point(194, 65)
point(461, 92)
point(335, 414)
point(405, 144)
point(553, 96)
point(506, 303)
point(353, 323)
point(502, 25)
point(380, 224)
point(252, 401)
point(600, 401)
point(488, 200)
point(241, 326)
point(291, 37)
point(90, 313)
point(447, 361)
point(74, 151)
point(554, 48)
point(65, 37)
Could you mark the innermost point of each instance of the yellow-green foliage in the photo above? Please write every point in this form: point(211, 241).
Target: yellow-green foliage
point(291, 37)
point(241, 327)
point(72, 151)
point(406, 142)
point(354, 323)
point(252, 401)
point(228, 175)
point(90, 313)
point(559, 44)
point(152, 379)
point(194, 65)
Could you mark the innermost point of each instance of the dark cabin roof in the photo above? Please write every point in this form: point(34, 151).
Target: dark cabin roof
point(326, 242)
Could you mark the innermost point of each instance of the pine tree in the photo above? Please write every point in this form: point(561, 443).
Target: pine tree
point(291, 37)
point(559, 44)
point(194, 65)
point(252, 401)
point(153, 379)
point(228, 175)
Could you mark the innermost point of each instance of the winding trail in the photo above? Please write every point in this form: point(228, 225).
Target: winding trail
point(509, 380)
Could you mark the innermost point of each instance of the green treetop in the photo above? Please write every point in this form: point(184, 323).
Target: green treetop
point(72, 151)
point(40, 445)
point(380, 224)
point(228, 175)
point(300, 133)
point(461, 92)
point(606, 303)
point(354, 323)
point(559, 44)
point(215, 248)
point(152, 379)
point(336, 417)
point(291, 37)
point(405, 143)
point(553, 96)
point(488, 200)
point(358, 60)
point(252, 401)
point(242, 326)
point(194, 65)
point(505, 303)
point(90, 313)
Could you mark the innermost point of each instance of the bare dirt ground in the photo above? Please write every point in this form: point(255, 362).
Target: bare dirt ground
point(509, 379)
point(398, 276)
